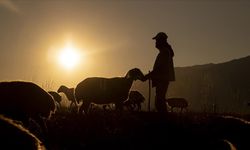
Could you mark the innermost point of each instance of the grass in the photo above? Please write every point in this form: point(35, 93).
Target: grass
point(145, 130)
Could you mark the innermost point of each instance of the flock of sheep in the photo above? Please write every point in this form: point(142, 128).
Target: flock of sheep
point(32, 106)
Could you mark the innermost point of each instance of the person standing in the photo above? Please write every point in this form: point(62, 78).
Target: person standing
point(163, 71)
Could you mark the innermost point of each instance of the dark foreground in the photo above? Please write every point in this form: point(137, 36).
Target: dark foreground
point(143, 130)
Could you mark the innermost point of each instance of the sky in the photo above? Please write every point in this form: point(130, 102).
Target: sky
point(114, 36)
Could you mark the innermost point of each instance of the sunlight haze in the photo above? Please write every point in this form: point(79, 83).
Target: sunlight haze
point(69, 57)
point(115, 36)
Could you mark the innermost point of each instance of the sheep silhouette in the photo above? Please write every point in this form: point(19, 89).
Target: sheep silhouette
point(15, 136)
point(134, 100)
point(70, 94)
point(25, 101)
point(106, 90)
point(181, 103)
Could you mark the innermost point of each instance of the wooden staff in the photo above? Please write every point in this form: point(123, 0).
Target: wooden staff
point(149, 93)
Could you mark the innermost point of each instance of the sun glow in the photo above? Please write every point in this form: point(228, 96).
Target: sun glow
point(69, 57)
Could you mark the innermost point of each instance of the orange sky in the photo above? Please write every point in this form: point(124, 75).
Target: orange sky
point(116, 36)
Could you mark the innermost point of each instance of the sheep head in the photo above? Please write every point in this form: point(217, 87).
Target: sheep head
point(62, 88)
point(55, 96)
point(135, 74)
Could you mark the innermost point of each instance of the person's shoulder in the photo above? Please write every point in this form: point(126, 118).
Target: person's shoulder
point(169, 45)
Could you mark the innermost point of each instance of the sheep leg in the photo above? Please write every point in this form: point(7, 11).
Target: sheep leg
point(110, 106)
point(132, 106)
point(84, 107)
point(139, 107)
point(129, 107)
point(58, 106)
point(73, 106)
point(118, 106)
point(136, 106)
point(106, 107)
point(91, 107)
point(70, 106)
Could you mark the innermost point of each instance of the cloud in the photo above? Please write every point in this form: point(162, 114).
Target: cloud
point(9, 5)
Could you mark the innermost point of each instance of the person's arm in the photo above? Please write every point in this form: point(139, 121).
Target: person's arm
point(156, 69)
point(171, 50)
point(148, 76)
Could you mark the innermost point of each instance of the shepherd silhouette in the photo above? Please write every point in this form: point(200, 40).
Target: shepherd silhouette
point(163, 71)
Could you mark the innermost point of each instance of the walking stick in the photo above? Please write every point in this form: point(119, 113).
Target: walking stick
point(149, 93)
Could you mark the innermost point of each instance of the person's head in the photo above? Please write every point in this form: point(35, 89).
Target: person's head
point(161, 36)
point(160, 39)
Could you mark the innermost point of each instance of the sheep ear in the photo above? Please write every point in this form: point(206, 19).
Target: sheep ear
point(128, 75)
point(59, 89)
point(133, 73)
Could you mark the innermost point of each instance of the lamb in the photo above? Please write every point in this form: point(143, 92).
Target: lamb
point(15, 136)
point(26, 101)
point(134, 100)
point(105, 90)
point(178, 103)
point(70, 94)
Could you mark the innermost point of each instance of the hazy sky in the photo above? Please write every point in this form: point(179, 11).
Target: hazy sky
point(115, 35)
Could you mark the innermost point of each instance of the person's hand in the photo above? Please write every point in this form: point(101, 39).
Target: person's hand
point(144, 79)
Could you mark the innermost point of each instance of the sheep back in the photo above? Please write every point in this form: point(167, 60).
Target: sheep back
point(103, 90)
point(21, 99)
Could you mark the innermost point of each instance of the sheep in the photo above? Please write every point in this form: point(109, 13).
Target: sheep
point(26, 102)
point(134, 100)
point(70, 94)
point(57, 99)
point(178, 103)
point(100, 90)
point(15, 136)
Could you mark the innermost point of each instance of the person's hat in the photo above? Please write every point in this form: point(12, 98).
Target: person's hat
point(160, 35)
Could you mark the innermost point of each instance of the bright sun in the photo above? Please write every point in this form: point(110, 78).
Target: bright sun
point(69, 57)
